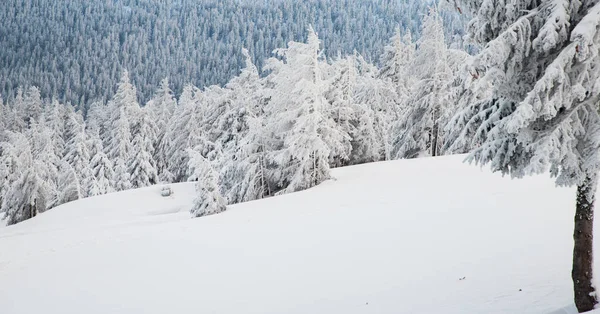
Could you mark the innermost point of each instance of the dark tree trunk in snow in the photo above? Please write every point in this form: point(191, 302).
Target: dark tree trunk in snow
point(434, 140)
point(435, 132)
point(585, 297)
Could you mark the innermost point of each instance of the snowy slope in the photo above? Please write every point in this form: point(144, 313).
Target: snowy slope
point(393, 237)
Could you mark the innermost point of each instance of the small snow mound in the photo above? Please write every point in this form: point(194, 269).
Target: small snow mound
point(113, 208)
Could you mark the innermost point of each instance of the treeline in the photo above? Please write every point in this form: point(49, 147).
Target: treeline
point(255, 137)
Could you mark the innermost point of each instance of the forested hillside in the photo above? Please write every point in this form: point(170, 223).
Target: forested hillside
point(253, 137)
point(76, 50)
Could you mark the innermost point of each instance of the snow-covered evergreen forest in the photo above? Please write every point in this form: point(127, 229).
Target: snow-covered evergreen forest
point(76, 50)
point(249, 113)
point(265, 132)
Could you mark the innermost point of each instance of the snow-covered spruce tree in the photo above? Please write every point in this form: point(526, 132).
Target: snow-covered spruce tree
point(96, 117)
point(378, 97)
point(341, 107)
point(28, 189)
point(3, 114)
point(119, 149)
point(101, 166)
point(142, 166)
point(209, 200)
point(468, 92)
point(32, 106)
point(243, 106)
point(396, 62)
point(186, 121)
point(161, 109)
point(252, 164)
point(298, 120)
point(126, 98)
point(542, 58)
point(197, 127)
point(365, 145)
point(420, 131)
point(76, 154)
point(68, 187)
point(10, 163)
point(39, 137)
point(352, 118)
point(55, 120)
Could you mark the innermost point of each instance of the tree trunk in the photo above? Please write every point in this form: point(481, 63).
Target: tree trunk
point(434, 140)
point(435, 132)
point(585, 293)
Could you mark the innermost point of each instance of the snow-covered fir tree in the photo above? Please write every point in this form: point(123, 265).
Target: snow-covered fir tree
point(68, 186)
point(102, 168)
point(126, 98)
point(31, 108)
point(119, 149)
point(396, 62)
point(341, 108)
point(76, 153)
point(186, 121)
point(251, 164)
point(421, 129)
point(55, 120)
point(28, 188)
point(378, 97)
point(351, 117)
point(299, 118)
point(542, 57)
point(142, 166)
point(39, 138)
point(243, 107)
point(209, 200)
point(96, 117)
point(160, 110)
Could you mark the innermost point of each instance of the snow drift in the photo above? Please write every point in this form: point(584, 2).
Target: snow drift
point(417, 236)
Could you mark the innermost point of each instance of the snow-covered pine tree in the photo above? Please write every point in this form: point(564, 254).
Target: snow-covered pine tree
point(209, 200)
point(239, 144)
point(3, 114)
point(352, 118)
point(18, 122)
point(68, 187)
point(396, 62)
point(96, 117)
point(297, 117)
point(161, 109)
point(185, 122)
point(119, 149)
point(365, 144)
point(420, 131)
point(252, 164)
point(44, 154)
point(32, 105)
point(378, 97)
point(542, 57)
point(142, 166)
point(126, 98)
point(101, 166)
point(467, 91)
point(55, 120)
point(10, 163)
point(341, 107)
point(29, 189)
point(76, 154)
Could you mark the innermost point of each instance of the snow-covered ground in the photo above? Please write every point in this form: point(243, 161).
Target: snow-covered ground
point(419, 236)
